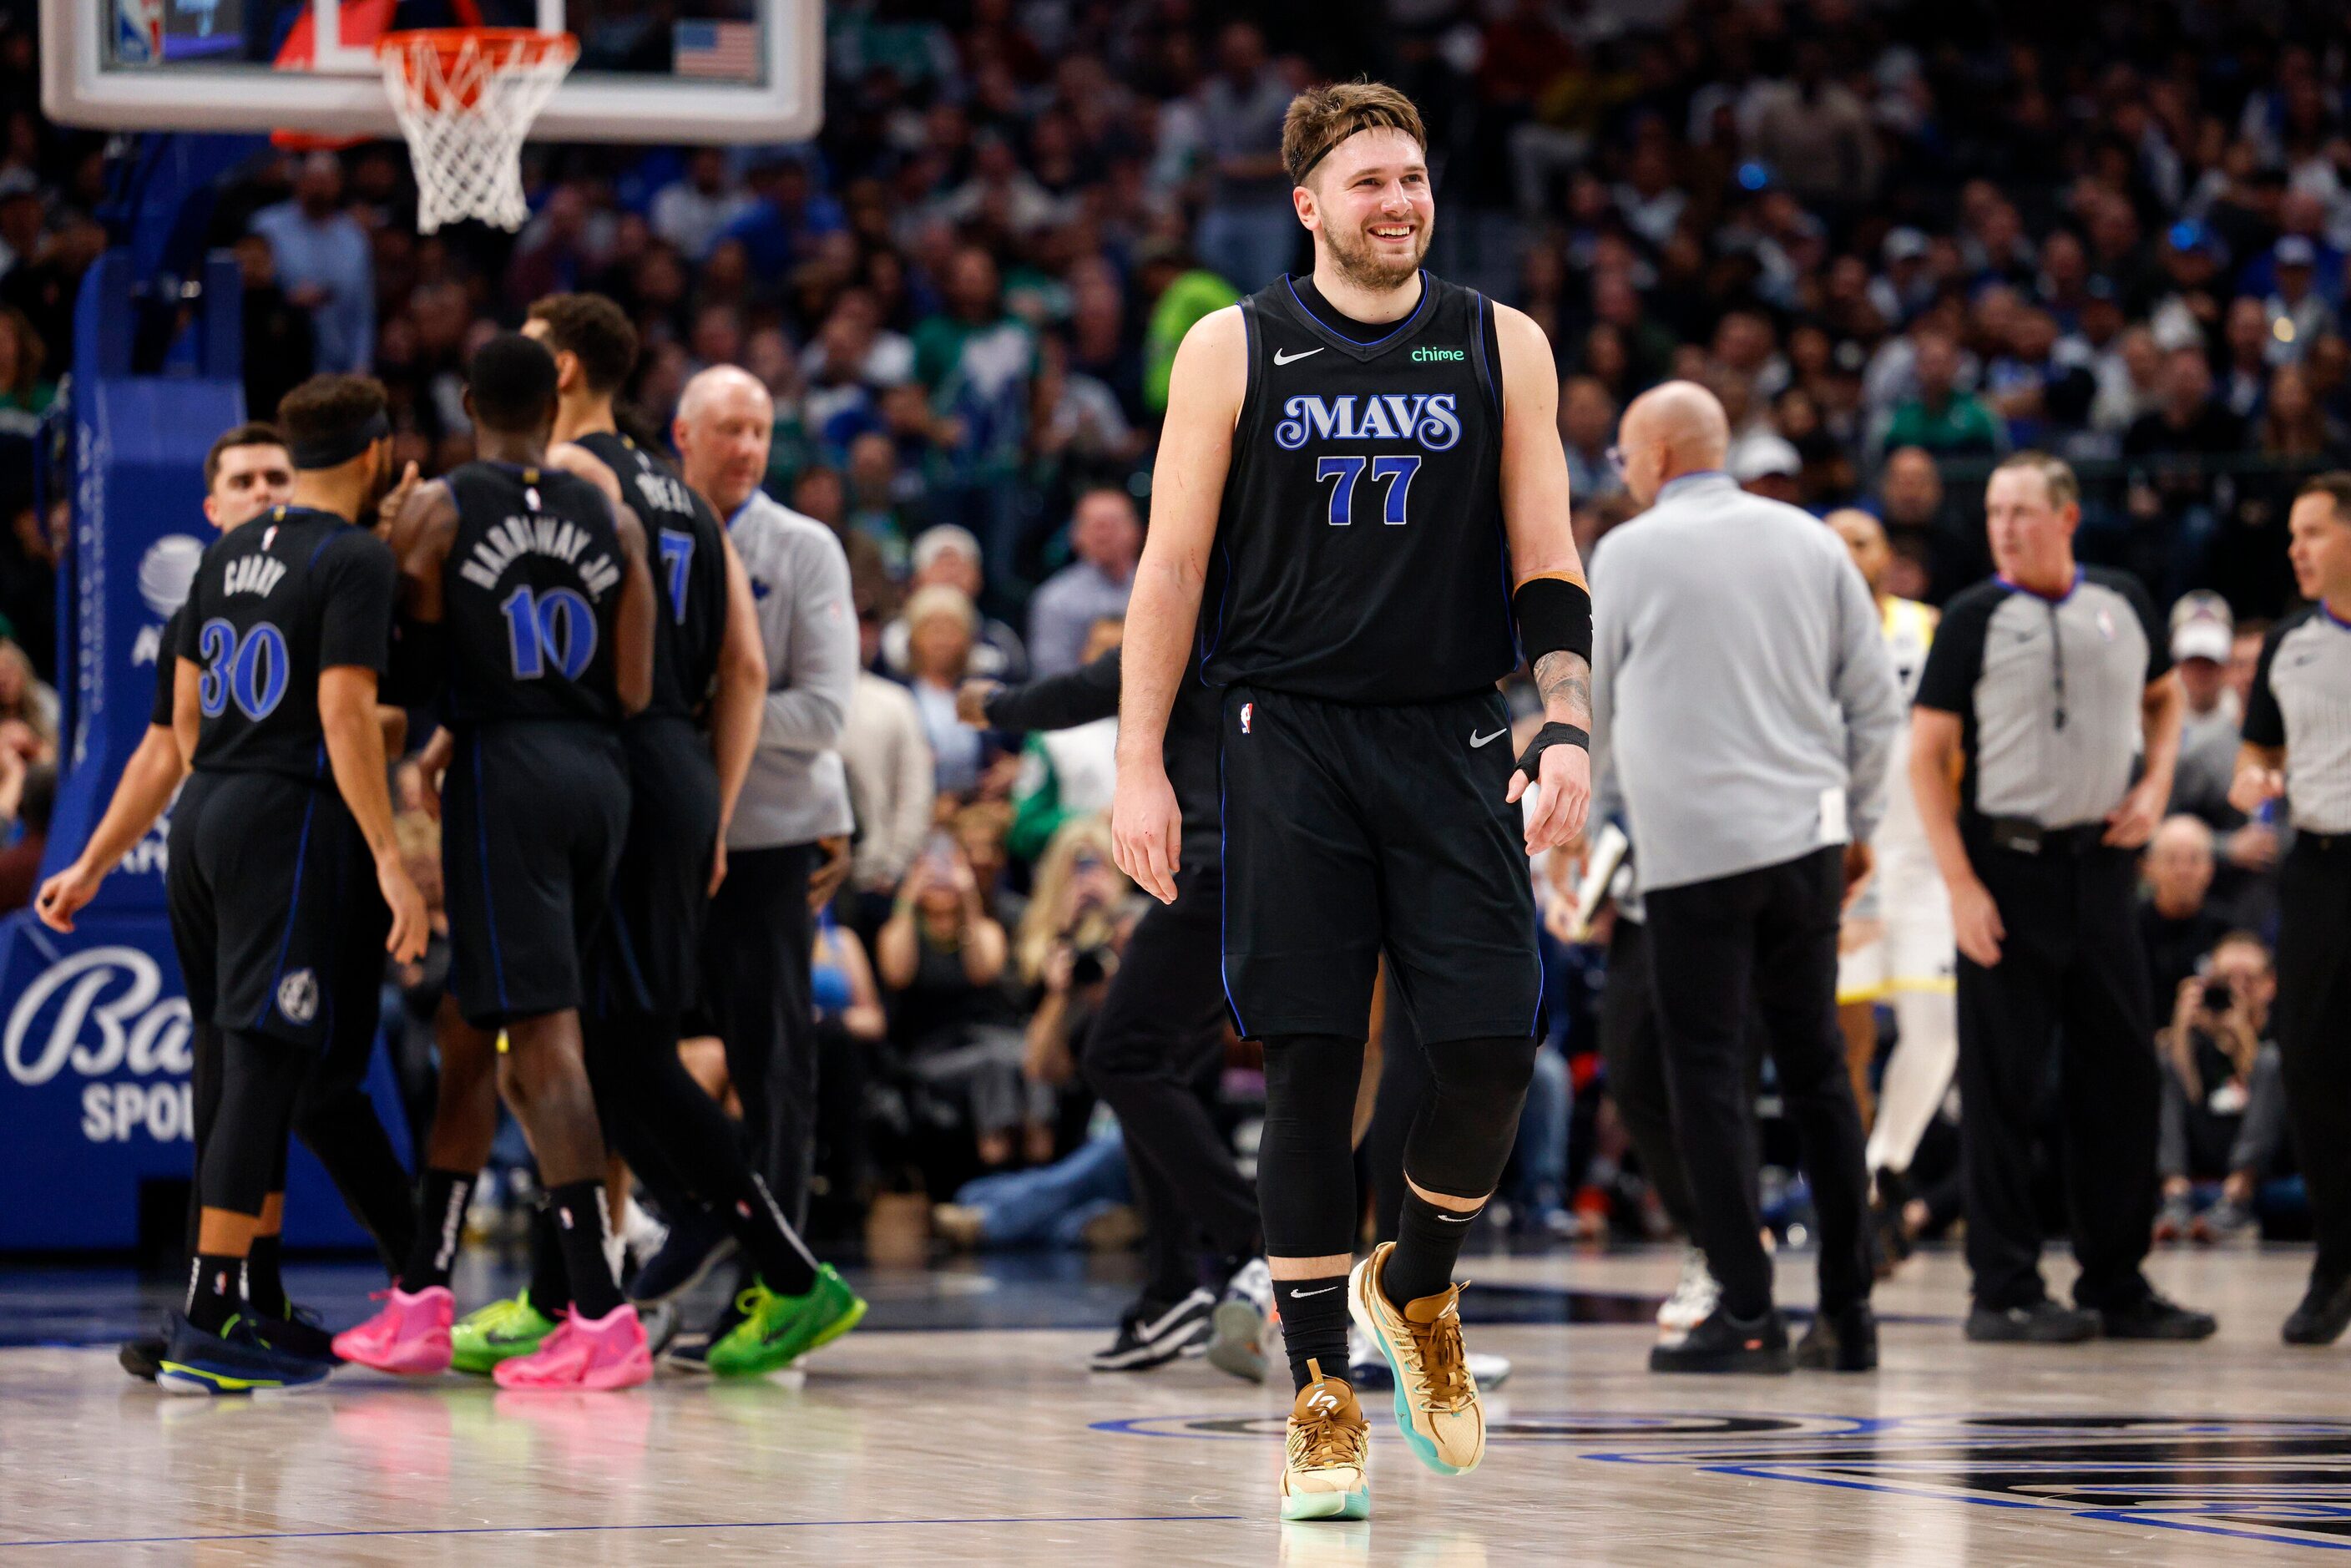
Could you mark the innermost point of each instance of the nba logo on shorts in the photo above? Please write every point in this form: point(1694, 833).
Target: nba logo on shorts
point(1246, 709)
point(298, 996)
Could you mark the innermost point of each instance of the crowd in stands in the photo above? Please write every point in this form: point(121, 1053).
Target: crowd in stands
point(1897, 240)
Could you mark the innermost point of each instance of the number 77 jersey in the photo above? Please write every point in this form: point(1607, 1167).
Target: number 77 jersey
point(290, 593)
point(1360, 551)
point(530, 590)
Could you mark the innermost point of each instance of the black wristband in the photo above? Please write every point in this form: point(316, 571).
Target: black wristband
point(1549, 735)
point(1554, 616)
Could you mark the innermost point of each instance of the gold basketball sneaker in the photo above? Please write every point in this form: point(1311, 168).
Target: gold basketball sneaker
point(1327, 1464)
point(1435, 1399)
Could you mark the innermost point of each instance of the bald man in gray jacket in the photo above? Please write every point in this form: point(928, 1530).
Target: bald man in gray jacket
point(756, 955)
point(1743, 691)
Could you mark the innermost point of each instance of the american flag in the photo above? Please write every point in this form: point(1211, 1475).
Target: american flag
point(726, 51)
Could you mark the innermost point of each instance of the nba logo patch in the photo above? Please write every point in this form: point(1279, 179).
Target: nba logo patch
point(298, 996)
point(1247, 708)
point(2106, 624)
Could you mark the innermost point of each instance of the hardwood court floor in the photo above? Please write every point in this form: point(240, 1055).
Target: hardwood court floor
point(995, 1445)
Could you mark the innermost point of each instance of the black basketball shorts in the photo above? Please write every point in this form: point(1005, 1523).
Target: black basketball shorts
point(270, 889)
point(1353, 831)
point(533, 814)
point(649, 956)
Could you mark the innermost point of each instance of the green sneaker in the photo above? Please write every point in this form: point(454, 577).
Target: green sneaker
point(499, 1331)
point(776, 1331)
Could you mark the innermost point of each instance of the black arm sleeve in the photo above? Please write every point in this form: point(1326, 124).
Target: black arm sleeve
point(167, 670)
point(1955, 660)
point(2264, 720)
point(357, 581)
point(1060, 702)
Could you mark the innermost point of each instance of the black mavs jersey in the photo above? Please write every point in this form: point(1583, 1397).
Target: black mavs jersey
point(688, 556)
point(530, 591)
point(1360, 551)
point(273, 603)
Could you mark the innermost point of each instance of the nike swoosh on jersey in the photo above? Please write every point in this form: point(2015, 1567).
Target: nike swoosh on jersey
point(1479, 740)
point(1282, 359)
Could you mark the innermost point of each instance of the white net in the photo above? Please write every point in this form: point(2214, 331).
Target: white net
point(466, 100)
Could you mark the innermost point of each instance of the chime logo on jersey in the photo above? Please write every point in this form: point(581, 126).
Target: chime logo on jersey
point(1428, 418)
point(1246, 709)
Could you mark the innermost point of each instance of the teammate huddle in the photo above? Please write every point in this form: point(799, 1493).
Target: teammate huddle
point(596, 730)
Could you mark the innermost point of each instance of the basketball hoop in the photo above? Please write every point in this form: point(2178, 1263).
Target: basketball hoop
point(466, 98)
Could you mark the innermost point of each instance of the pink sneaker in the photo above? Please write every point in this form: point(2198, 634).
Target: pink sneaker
point(606, 1353)
point(410, 1336)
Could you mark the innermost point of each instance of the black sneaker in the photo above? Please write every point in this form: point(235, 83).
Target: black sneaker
point(1844, 1341)
point(141, 1357)
point(1725, 1343)
point(2152, 1317)
point(697, 1242)
point(692, 1351)
point(2324, 1312)
point(235, 1360)
point(2042, 1323)
point(304, 1333)
point(1886, 1222)
point(1153, 1334)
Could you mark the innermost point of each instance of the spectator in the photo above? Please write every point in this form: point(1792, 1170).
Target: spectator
point(34, 786)
point(2298, 316)
point(1247, 233)
point(325, 264)
point(2175, 923)
point(693, 209)
point(1068, 944)
point(280, 339)
point(1065, 775)
point(2223, 1095)
point(25, 392)
point(2184, 443)
point(1943, 419)
point(1180, 292)
point(892, 781)
point(940, 958)
point(1816, 135)
point(783, 218)
point(950, 556)
point(940, 622)
point(28, 702)
point(1587, 426)
point(1106, 536)
point(1768, 465)
point(2201, 631)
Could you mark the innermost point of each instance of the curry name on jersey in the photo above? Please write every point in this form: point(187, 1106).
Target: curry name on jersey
point(530, 591)
point(273, 602)
point(689, 556)
point(1360, 552)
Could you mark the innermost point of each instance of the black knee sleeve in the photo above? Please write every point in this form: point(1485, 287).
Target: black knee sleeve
point(246, 1150)
point(1461, 1138)
point(1305, 1157)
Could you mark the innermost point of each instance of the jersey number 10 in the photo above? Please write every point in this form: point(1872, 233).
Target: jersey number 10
point(558, 625)
point(1397, 471)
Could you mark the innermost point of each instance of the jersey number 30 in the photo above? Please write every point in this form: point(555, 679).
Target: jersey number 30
point(251, 671)
point(1397, 471)
point(558, 625)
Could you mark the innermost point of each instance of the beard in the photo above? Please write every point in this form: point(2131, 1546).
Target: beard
point(1360, 262)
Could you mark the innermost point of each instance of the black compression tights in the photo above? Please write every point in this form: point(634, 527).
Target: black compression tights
point(246, 1151)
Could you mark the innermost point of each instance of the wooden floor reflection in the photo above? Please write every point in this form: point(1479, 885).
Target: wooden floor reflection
point(997, 1446)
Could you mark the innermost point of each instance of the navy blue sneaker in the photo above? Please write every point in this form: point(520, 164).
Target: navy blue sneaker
point(697, 1243)
point(302, 1333)
point(237, 1360)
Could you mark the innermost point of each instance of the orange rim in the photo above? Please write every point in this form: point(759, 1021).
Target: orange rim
point(509, 45)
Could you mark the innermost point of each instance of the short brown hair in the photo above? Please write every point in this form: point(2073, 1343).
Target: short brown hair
point(2064, 487)
point(2335, 486)
point(327, 408)
point(1322, 117)
point(252, 433)
point(594, 330)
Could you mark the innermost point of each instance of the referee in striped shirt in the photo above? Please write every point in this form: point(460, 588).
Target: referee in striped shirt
point(2037, 693)
point(2297, 743)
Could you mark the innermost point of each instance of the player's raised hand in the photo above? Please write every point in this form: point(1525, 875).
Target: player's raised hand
point(411, 926)
point(388, 511)
point(1147, 829)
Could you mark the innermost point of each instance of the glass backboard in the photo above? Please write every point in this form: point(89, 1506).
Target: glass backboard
point(649, 70)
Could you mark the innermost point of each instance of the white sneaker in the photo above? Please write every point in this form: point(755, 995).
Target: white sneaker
point(1693, 1301)
point(1242, 1320)
point(640, 1233)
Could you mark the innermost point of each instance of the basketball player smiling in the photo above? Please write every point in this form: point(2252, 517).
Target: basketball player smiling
point(1370, 459)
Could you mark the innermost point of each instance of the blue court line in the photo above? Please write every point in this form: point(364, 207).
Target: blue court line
point(578, 1528)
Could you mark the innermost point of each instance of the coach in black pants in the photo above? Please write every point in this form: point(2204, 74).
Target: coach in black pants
point(2297, 743)
point(1752, 756)
point(2035, 698)
point(1157, 1042)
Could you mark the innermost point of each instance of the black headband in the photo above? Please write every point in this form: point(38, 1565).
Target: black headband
point(334, 451)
